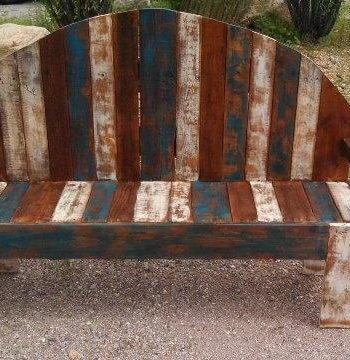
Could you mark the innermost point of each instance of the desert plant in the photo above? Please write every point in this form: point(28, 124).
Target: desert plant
point(314, 18)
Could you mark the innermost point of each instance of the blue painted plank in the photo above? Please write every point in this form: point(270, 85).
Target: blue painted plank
point(97, 209)
point(158, 70)
point(322, 202)
point(10, 199)
point(236, 102)
point(210, 202)
point(79, 99)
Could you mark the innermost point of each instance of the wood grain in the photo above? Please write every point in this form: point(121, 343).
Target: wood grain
point(340, 192)
point(10, 197)
point(180, 202)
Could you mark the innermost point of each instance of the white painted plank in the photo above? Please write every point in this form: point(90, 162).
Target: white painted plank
point(310, 81)
point(188, 98)
point(33, 110)
point(72, 203)
point(152, 201)
point(260, 103)
point(103, 96)
point(335, 309)
point(11, 120)
point(266, 202)
point(341, 196)
point(180, 203)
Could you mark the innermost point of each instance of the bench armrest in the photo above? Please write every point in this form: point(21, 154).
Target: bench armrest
point(345, 148)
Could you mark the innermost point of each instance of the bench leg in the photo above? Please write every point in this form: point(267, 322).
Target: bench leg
point(313, 267)
point(10, 266)
point(335, 308)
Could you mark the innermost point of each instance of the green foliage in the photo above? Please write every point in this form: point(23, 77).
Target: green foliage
point(273, 24)
point(314, 18)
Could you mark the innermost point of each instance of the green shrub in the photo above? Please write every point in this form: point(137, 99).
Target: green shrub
point(273, 24)
point(314, 18)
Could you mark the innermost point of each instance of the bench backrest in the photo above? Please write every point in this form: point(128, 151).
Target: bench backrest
point(162, 95)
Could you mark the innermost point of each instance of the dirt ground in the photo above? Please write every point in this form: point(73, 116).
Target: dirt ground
point(164, 310)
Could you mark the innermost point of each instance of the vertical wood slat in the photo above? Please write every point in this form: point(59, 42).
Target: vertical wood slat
point(212, 101)
point(306, 120)
point(180, 202)
point(72, 203)
point(103, 98)
point(53, 73)
point(3, 173)
point(236, 102)
point(80, 100)
point(265, 201)
point(283, 113)
point(333, 125)
point(158, 74)
point(33, 111)
point(12, 121)
point(126, 72)
point(188, 97)
point(152, 202)
point(341, 195)
point(260, 105)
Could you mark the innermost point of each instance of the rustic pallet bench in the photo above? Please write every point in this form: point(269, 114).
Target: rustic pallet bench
point(157, 134)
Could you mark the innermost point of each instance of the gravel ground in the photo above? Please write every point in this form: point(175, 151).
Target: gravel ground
point(164, 310)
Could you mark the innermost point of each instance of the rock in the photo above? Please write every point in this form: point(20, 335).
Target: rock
point(73, 355)
point(14, 37)
point(9, 266)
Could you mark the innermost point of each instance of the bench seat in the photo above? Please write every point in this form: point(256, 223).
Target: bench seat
point(158, 219)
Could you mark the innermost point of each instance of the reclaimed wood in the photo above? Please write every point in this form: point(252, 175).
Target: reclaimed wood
point(145, 241)
point(38, 203)
point(33, 112)
point(335, 308)
point(158, 74)
point(126, 72)
point(212, 101)
point(284, 105)
point(306, 118)
point(103, 96)
point(72, 203)
point(265, 201)
point(321, 202)
point(180, 202)
point(12, 121)
point(54, 82)
point(80, 100)
point(242, 202)
point(345, 148)
point(341, 195)
point(210, 203)
point(313, 267)
point(10, 198)
point(152, 202)
point(236, 102)
point(260, 104)
point(293, 202)
point(97, 208)
point(188, 98)
point(333, 126)
point(3, 174)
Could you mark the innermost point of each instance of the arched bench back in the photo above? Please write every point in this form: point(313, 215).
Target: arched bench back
point(162, 95)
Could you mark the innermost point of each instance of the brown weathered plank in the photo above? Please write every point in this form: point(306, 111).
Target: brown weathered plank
point(241, 202)
point(293, 202)
point(212, 102)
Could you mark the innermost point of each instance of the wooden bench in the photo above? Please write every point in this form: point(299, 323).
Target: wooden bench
point(157, 134)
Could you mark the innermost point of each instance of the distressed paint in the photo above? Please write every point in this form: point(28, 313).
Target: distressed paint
point(284, 105)
point(10, 197)
point(158, 76)
point(72, 203)
point(335, 308)
point(188, 98)
point(80, 100)
point(33, 110)
point(266, 202)
point(341, 195)
point(260, 104)
point(97, 209)
point(310, 80)
point(210, 203)
point(180, 202)
point(236, 102)
point(103, 96)
point(152, 202)
point(11, 120)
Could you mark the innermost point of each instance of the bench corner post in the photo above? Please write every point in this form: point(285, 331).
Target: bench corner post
point(10, 266)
